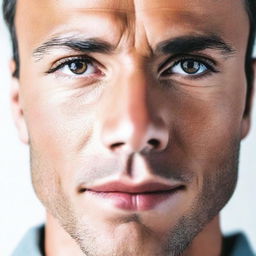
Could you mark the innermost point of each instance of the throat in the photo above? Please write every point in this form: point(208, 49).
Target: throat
point(57, 241)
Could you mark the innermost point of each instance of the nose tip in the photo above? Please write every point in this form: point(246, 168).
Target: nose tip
point(133, 139)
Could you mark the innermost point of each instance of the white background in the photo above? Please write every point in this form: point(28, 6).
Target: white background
point(20, 209)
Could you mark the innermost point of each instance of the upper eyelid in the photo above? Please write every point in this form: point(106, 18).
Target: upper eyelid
point(174, 60)
point(206, 64)
point(58, 64)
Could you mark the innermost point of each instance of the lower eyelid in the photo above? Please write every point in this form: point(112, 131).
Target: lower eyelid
point(87, 79)
point(93, 76)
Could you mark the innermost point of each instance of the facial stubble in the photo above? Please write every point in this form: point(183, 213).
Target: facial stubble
point(218, 187)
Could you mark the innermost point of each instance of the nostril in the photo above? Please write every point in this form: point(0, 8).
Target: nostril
point(116, 145)
point(154, 143)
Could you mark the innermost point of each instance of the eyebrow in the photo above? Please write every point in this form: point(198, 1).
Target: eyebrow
point(178, 45)
point(73, 43)
point(187, 44)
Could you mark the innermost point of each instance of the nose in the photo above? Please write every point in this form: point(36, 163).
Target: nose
point(132, 116)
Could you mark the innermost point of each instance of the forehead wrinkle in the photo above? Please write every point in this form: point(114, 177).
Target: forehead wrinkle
point(127, 16)
point(128, 24)
point(100, 10)
point(172, 17)
point(116, 5)
point(116, 37)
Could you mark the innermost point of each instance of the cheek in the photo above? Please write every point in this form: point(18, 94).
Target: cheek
point(57, 133)
point(206, 126)
point(208, 119)
point(57, 122)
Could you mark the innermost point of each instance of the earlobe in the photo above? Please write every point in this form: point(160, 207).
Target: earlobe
point(246, 124)
point(16, 107)
point(247, 118)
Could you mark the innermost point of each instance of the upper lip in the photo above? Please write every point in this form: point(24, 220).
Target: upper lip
point(117, 186)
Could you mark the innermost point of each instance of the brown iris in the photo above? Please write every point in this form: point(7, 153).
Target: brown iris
point(190, 66)
point(78, 67)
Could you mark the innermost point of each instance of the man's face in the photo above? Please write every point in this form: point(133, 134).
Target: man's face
point(134, 112)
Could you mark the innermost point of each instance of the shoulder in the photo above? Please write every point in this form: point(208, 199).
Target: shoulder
point(31, 243)
point(236, 245)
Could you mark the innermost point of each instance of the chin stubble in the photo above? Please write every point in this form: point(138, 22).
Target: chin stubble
point(215, 193)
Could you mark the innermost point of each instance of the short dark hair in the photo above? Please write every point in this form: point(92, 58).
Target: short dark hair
point(9, 10)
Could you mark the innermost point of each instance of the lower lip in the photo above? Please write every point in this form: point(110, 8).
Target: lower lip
point(135, 201)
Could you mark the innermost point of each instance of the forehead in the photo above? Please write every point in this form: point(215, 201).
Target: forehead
point(130, 21)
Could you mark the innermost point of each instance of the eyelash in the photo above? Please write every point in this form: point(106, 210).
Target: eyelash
point(175, 60)
point(67, 61)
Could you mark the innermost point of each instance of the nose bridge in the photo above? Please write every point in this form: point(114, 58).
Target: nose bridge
point(130, 122)
point(136, 101)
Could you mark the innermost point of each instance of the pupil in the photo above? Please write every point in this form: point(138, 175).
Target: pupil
point(78, 67)
point(190, 66)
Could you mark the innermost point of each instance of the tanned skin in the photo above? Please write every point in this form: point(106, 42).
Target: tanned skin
point(132, 91)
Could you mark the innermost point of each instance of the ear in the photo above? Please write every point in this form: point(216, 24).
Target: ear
point(16, 106)
point(247, 117)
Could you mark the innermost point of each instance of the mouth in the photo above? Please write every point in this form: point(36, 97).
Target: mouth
point(131, 197)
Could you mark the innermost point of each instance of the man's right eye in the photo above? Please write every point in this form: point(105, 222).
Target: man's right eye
point(75, 67)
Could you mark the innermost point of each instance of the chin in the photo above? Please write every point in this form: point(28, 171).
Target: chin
point(129, 235)
point(129, 238)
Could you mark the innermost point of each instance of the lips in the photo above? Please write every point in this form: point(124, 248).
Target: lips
point(133, 197)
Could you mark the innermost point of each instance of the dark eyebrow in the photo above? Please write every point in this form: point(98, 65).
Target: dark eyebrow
point(187, 44)
point(178, 45)
point(72, 43)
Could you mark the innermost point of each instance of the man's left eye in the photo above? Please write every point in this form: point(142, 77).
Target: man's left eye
point(187, 67)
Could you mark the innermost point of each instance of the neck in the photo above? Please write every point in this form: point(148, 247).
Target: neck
point(59, 243)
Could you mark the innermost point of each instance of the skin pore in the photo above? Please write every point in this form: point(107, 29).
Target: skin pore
point(132, 91)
